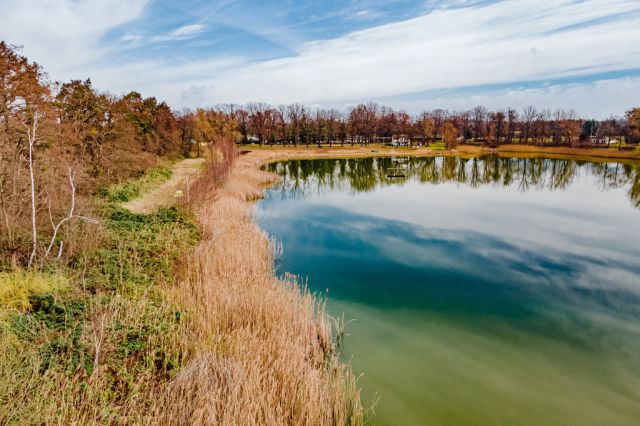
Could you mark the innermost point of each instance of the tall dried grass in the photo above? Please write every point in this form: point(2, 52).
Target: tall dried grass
point(259, 350)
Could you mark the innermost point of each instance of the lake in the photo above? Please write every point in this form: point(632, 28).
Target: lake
point(476, 291)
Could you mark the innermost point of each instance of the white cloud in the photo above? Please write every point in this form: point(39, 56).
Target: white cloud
point(508, 41)
point(182, 33)
point(503, 42)
point(64, 35)
point(598, 99)
point(188, 30)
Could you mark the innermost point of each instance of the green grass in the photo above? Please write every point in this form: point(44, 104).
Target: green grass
point(438, 146)
point(127, 191)
point(141, 250)
point(17, 289)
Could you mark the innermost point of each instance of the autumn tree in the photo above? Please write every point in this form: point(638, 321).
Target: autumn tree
point(450, 134)
point(428, 127)
point(296, 115)
point(478, 119)
point(633, 125)
point(258, 119)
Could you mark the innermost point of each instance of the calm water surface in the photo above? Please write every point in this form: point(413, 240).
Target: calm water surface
point(495, 291)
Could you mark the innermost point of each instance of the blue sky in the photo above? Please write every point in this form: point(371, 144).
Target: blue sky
point(409, 54)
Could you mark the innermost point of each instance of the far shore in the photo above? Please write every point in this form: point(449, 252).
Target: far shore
point(270, 153)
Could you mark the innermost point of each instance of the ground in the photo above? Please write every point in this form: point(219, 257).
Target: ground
point(165, 195)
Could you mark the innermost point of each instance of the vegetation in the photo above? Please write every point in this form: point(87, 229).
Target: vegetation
point(371, 123)
point(177, 316)
point(62, 142)
point(80, 341)
point(127, 191)
point(108, 316)
point(261, 350)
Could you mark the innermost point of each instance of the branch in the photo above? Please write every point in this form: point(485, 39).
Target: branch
point(70, 215)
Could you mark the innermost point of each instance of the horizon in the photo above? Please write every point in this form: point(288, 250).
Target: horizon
point(408, 55)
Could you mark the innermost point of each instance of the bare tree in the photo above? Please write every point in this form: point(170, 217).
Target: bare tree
point(529, 115)
point(70, 215)
point(258, 119)
point(32, 137)
point(512, 124)
point(438, 116)
point(296, 113)
point(478, 116)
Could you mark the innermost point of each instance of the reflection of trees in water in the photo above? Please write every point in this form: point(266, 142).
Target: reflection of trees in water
point(634, 192)
point(301, 177)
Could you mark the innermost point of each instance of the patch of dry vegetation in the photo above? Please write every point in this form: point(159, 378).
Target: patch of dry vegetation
point(260, 350)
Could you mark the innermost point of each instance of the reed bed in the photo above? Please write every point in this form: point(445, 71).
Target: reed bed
point(261, 350)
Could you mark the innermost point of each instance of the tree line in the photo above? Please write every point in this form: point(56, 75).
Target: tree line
point(371, 123)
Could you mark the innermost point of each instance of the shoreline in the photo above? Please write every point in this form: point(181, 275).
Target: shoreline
point(280, 153)
point(273, 334)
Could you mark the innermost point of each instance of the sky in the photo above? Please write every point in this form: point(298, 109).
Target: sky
point(407, 54)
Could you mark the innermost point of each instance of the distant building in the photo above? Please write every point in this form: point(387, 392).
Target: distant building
point(599, 140)
point(400, 140)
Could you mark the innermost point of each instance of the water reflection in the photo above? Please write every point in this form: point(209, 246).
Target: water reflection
point(361, 175)
point(485, 290)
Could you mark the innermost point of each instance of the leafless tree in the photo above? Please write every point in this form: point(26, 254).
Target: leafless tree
point(32, 137)
point(478, 116)
point(71, 215)
point(296, 114)
point(529, 115)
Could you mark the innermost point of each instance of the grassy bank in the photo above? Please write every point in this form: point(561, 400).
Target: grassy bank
point(174, 317)
point(91, 339)
point(90, 343)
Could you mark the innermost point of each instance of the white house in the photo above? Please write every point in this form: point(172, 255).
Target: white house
point(400, 140)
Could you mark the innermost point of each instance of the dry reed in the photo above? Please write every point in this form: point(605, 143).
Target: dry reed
point(260, 350)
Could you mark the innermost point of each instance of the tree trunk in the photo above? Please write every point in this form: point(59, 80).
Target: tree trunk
point(34, 232)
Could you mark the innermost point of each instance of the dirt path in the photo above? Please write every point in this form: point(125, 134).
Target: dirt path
point(183, 173)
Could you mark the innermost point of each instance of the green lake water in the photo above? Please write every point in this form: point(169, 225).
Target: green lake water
point(487, 291)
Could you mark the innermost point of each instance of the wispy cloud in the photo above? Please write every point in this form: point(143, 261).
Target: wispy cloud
point(65, 35)
point(131, 37)
point(486, 44)
point(597, 99)
point(467, 44)
point(182, 33)
point(188, 30)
